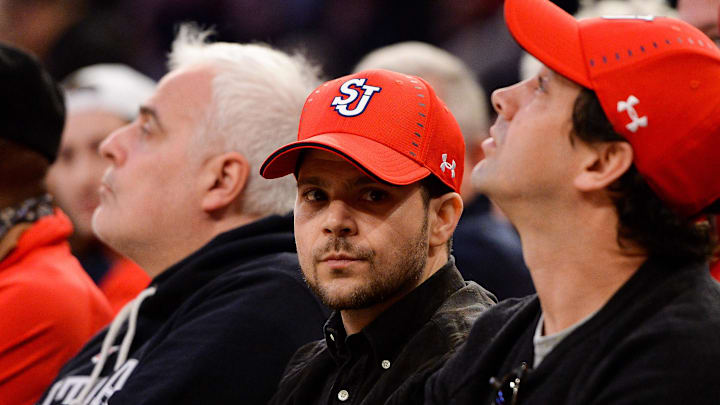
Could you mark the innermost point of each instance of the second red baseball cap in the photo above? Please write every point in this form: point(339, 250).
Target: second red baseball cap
point(658, 81)
point(390, 125)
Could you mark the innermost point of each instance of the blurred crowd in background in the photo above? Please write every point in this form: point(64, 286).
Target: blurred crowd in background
point(70, 34)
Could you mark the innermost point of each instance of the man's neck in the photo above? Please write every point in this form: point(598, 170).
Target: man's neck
point(356, 319)
point(575, 261)
point(157, 257)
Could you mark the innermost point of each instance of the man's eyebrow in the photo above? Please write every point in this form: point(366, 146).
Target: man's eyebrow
point(311, 181)
point(365, 181)
point(152, 112)
point(352, 183)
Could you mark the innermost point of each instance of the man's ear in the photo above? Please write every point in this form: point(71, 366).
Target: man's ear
point(225, 178)
point(447, 210)
point(604, 163)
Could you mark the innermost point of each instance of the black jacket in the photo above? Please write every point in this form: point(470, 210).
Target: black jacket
point(656, 341)
point(414, 335)
point(219, 330)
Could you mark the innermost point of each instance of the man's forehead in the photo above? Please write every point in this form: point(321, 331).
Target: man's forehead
point(187, 88)
point(556, 77)
point(180, 99)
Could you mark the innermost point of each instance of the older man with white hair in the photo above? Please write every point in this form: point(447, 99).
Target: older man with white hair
point(227, 306)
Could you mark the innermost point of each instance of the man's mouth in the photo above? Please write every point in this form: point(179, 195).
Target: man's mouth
point(339, 260)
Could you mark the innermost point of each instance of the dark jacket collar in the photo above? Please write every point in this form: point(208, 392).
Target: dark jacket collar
point(272, 234)
point(389, 332)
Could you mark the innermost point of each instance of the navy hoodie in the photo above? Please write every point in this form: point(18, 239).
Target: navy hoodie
point(219, 328)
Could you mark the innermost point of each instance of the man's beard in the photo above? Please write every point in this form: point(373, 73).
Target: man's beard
point(407, 269)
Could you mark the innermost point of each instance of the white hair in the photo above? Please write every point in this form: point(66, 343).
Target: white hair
point(529, 66)
point(452, 80)
point(257, 96)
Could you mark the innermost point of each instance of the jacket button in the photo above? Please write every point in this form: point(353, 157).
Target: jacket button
point(385, 364)
point(343, 395)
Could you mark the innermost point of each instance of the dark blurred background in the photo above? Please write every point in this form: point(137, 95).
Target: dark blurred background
point(69, 34)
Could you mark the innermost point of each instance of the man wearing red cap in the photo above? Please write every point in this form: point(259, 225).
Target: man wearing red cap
point(379, 164)
point(606, 162)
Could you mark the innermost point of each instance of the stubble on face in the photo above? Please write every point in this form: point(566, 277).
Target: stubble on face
point(406, 269)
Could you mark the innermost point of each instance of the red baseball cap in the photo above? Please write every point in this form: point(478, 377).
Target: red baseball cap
point(658, 81)
point(389, 125)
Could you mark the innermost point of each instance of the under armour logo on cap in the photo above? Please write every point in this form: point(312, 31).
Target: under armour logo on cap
point(341, 105)
point(445, 165)
point(629, 106)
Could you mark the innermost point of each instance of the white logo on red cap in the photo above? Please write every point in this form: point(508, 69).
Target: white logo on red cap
point(629, 17)
point(341, 105)
point(445, 165)
point(629, 106)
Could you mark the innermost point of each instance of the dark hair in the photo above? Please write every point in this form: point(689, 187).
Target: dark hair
point(432, 187)
point(32, 109)
point(643, 218)
point(22, 171)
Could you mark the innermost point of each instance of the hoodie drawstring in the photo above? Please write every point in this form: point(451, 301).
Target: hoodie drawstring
point(129, 312)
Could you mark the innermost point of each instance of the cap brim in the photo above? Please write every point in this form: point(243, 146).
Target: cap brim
point(367, 155)
point(550, 34)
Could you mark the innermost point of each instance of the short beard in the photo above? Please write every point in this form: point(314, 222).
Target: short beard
point(408, 269)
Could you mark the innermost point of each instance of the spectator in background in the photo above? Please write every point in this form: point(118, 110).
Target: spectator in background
point(49, 307)
point(703, 14)
point(99, 100)
point(67, 35)
point(183, 198)
point(378, 177)
point(486, 248)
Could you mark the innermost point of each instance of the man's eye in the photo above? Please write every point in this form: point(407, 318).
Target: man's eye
point(541, 83)
point(374, 195)
point(145, 127)
point(314, 195)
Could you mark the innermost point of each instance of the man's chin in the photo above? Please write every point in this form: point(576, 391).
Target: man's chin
point(344, 297)
point(100, 228)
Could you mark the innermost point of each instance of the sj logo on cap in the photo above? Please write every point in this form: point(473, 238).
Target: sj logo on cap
point(352, 89)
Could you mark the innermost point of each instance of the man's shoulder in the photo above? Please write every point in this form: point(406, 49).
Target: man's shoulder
point(49, 284)
point(301, 362)
point(685, 310)
point(260, 291)
point(459, 310)
point(669, 339)
point(280, 269)
point(678, 305)
point(451, 323)
point(306, 354)
point(490, 322)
